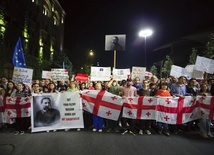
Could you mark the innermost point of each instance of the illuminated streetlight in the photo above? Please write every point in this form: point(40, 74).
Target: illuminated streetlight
point(145, 33)
point(91, 53)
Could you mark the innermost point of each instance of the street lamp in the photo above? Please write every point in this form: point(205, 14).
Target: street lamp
point(91, 53)
point(145, 33)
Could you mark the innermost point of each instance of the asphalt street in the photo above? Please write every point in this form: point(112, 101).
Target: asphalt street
point(94, 143)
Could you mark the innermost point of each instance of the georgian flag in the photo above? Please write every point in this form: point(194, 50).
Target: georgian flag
point(16, 107)
point(102, 103)
point(142, 107)
point(206, 106)
point(177, 110)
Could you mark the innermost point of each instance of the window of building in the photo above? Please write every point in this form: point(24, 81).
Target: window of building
point(45, 10)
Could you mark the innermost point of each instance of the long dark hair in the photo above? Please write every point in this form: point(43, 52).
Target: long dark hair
point(7, 93)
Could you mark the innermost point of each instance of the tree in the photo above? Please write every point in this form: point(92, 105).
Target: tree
point(209, 51)
point(61, 59)
point(167, 65)
point(153, 70)
point(193, 56)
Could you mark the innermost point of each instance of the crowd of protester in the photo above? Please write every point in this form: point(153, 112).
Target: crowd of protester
point(150, 86)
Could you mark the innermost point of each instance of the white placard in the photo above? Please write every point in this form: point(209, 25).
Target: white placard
point(22, 75)
point(192, 73)
point(59, 74)
point(100, 73)
point(177, 71)
point(138, 72)
point(46, 74)
point(65, 111)
point(204, 64)
point(121, 74)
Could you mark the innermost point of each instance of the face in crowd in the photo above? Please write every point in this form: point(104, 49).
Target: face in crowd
point(98, 86)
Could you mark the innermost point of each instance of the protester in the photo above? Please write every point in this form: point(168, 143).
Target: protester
point(163, 92)
point(115, 89)
point(73, 87)
point(128, 91)
point(22, 123)
point(144, 125)
point(98, 121)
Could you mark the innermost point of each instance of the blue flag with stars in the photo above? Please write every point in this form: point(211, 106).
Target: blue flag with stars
point(18, 55)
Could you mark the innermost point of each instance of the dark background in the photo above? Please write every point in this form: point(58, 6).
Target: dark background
point(88, 21)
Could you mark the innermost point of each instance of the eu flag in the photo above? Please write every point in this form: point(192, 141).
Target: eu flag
point(18, 55)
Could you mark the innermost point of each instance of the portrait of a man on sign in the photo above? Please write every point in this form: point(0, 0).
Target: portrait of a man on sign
point(115, 42)
point(45, 113)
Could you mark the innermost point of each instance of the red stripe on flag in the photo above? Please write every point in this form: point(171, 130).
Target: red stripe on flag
point(17, 106)
point(139, 106)
point(179, 110)
point(210, 107)
point(99, 102)
point(1, 109)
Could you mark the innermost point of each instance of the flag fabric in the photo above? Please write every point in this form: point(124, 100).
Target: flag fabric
point(142, 107)
point(16, 107)
point(81, 77)
point(206, 104)
point(177, 110)
point(102, 103)
point(18, 55)
point(149, 74)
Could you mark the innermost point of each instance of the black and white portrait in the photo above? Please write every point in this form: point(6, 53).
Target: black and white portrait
point(115, 42)
point(45, 114)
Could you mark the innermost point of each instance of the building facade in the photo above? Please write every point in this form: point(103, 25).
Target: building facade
point(39, 24)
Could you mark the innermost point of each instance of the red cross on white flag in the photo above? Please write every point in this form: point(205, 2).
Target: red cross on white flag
point(177, 110)
point(207, 106)
point(142, 107)
point(102, 103)
point(17, 107)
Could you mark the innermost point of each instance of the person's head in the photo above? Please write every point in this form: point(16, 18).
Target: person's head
point(137, 80)
point(73, 85)
point(36, 86)
point(83, 86)
point(115, 40)
point(3, 80)
point(173, 79)
point(20, 86)
point(47, 81)
point(98, 86)
point(145, 83)
point(11, 85)
point(129, 82)
point(152, 86)
point(46, 103)
point(114, 83)
point(51, 86)
point(192, 82)
point(164, 86)
point(181, 80)
point(41, 83)
point(204, 88)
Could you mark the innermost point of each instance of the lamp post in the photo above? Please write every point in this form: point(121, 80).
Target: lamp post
point(91, 53)
point(145, 33)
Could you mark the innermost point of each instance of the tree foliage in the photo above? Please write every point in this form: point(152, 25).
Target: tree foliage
point(209, 51)
point(153, 70)
point(193, 56)
point(167, 65)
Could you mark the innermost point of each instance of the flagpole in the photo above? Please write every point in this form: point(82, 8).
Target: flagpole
point(115, 57)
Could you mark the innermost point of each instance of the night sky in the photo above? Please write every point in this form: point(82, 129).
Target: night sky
point(88, 21)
